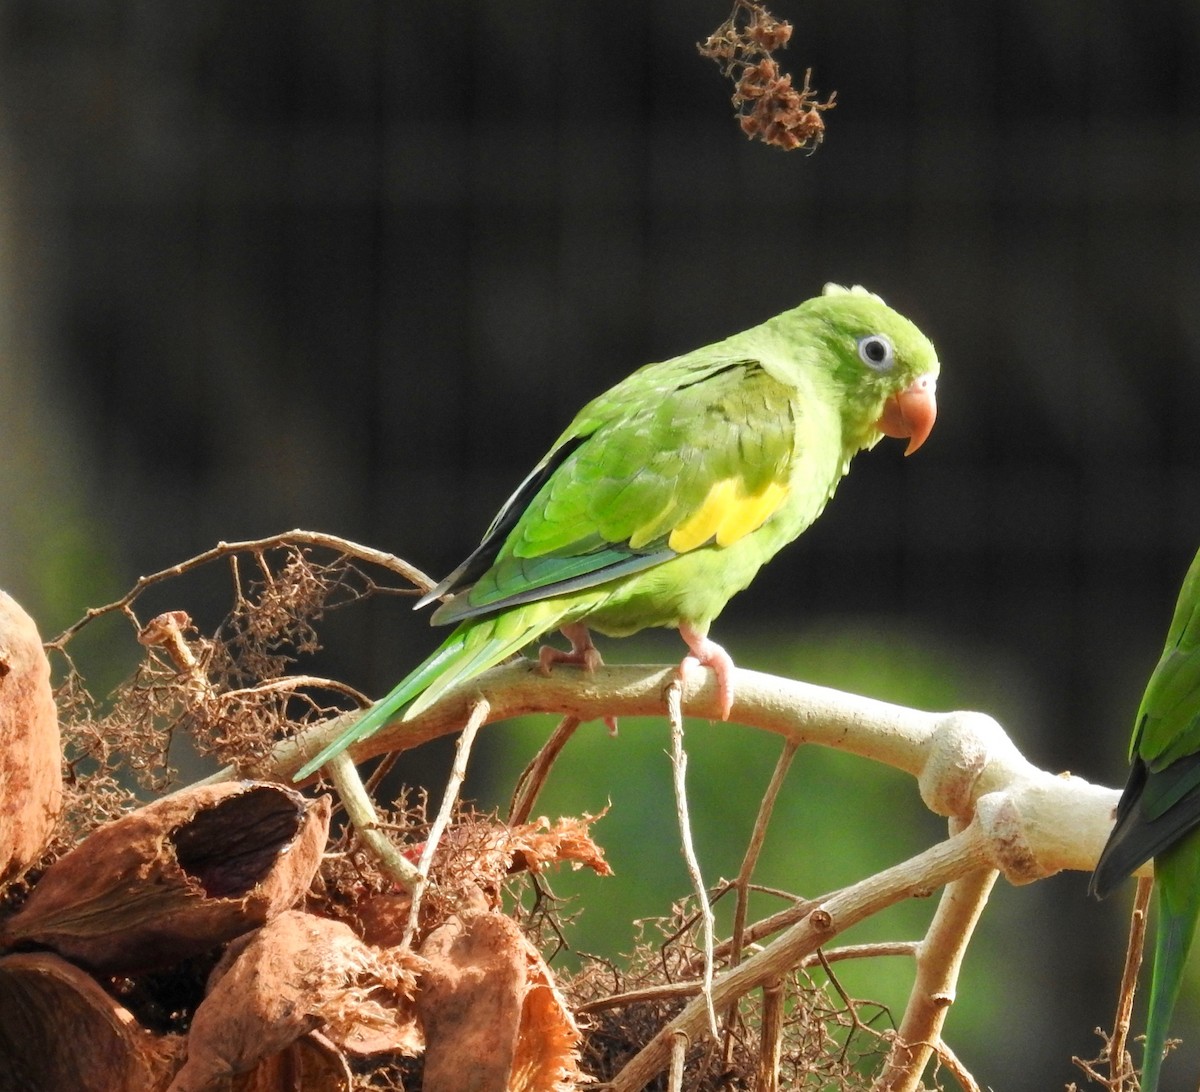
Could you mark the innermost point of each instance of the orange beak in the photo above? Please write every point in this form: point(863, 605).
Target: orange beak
point(910, 414)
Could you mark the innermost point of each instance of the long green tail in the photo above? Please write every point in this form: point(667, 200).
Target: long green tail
point(1177, 901)
point(470, 650)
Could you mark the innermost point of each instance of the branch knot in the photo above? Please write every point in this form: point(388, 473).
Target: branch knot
point(962, 747)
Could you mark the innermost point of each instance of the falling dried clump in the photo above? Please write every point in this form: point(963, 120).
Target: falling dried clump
point(768, 107)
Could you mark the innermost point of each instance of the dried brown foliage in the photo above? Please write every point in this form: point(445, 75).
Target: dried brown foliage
point(768, 107)
point(196, 940)
point(138, 901)
point(820, 1038)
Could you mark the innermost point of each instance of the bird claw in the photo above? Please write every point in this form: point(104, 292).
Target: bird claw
point(583, 653)
point(548, 656)
point(706, 653)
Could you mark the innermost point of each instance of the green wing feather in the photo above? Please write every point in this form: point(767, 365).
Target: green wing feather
point(1158, 815)
point(1177, 904)
point(1169, 716)
point(640, 461)
point(1161, 800)
point(470, 650)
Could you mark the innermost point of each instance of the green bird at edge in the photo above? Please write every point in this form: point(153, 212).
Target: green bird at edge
point(666, 494)
point(1158, 814)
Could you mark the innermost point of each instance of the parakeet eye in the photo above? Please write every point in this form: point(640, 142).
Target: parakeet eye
point(876, 352)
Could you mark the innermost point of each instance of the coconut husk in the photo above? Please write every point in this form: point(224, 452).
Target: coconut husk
point(177, 877)
point(296, 974)
point(311, 1064)
point(59, 1030)
point(492, 1014)
point(30, 748)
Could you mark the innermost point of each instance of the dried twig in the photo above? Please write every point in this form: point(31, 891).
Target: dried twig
point(458, 773)
point(1120, 1065)
point(758, 835)
point(679, 1044)
point(1114, 1057)
point(670, 991)
point(679, 769)
point(361, 811)
point(227, 549)
point(939, 960)
point(950, 1061)
point(533, 777)
point(771, 1048)
point(960, 854)
point(741, 882)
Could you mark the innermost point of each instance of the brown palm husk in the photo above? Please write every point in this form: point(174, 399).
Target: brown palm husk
point(177, 877)
point(311, 1064)
point(59, 1030)
point(492, 1014)
point(295, 975)
point(30, 748)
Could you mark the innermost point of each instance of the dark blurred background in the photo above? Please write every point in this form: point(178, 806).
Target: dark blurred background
point(352, 267)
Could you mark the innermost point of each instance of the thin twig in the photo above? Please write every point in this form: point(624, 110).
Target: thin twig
point(297, 682)
point(851, 1008)
point(458, 774)
point(533, 777)
point(754, 848)
point(679, 1046)
point(669, 991)
point(679, 771)
point(224, 549)
point(741, 882)
point(958, 855)
point(771, 1037)
point(1120, 1064)
point(950, 1061)
point(939, 961)
point(361, 812)
point(770, 925)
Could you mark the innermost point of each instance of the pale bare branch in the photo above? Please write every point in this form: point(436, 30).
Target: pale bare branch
point(939, 959)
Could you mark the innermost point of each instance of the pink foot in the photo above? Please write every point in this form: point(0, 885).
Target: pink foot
point(583, 653)
point(706, 653)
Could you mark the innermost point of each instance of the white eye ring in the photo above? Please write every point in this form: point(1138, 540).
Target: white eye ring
point(876, 352)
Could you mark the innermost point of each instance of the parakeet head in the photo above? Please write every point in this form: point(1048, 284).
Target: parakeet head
point(885, 367)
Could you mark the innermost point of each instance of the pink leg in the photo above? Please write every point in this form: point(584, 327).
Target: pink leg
point(706, 653)
point(583, 652)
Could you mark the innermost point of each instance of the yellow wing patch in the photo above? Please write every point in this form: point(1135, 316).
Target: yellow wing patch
point(727, 514)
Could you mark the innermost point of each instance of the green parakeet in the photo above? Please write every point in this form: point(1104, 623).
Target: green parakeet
point(666, 494)
point(1158, 814)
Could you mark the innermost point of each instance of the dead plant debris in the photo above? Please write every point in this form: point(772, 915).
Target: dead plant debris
point(767, 106)
point(201, 940)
